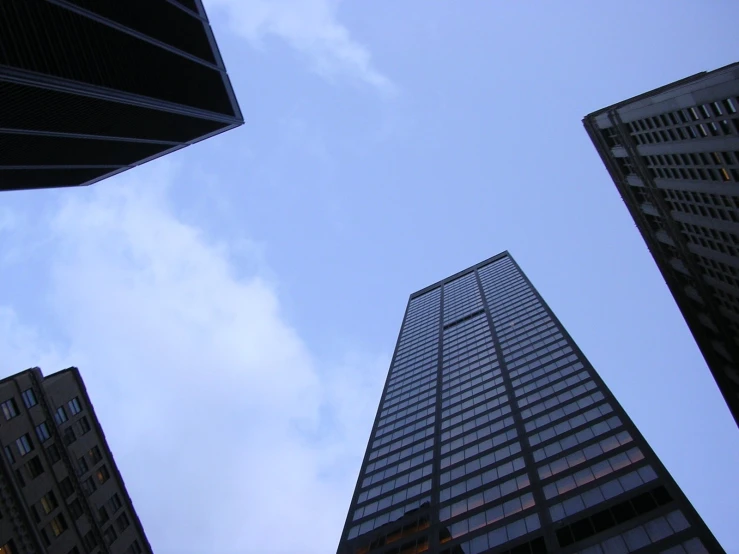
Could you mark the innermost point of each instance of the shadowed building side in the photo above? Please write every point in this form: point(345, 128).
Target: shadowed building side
point(91, 88)
point(673, 154)
point(60, 489)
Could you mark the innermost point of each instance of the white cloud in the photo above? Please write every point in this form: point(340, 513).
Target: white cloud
point(311, 27)
point(231, 436)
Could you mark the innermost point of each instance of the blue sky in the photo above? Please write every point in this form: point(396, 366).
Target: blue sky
point(254, 284)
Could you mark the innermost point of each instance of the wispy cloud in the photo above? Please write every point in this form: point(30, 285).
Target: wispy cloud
point(251, 443)
point(311, 27)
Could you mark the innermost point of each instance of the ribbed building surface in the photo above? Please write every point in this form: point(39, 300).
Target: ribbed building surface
point(90, 88)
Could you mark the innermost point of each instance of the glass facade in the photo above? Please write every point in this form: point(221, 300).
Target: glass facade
point(494, 434)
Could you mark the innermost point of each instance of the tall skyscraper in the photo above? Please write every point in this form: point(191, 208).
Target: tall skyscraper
point(673, 153)
point(496, 435)
point(60, 489)
point(90, 88)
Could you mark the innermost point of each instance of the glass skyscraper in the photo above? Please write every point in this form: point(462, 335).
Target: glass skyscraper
point(494, 434)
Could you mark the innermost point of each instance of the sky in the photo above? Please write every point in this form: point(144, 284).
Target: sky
point(233, 307)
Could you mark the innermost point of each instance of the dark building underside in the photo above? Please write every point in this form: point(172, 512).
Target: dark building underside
point(90, 88)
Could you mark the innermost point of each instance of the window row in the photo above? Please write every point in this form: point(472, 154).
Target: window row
point(529, 328)
point(413, 361)
point(468, 310)
point(394, 457)
point(402, 422)
point(475, 423)
point(582, 455)
point(405, 413)
point(458, 367)
point(535, 346)
point(484, 497)
point(558, 399)
point(613, 515)
point(410, 439)
point(481, 462)
point(475, 325)
point(503, 534)
point(573, 423)
point(538, 352)
point(472, 397)
point(580, 437)
point(393, 500)
point(593, 473)
point(510, 312)
point(601, 493)
point(405, 465)
point(490, 476)
point(462, 395)
point(420, 343)
point(514, 294)
point(531, 343)
point(406, 403)
point(477, 434)
point(485, 347)
point(567, 409)
point(649, 533)
point(413, 373)
point(395, 397)
point(479, 448)
point(474, 412)
point(516, 341)
point(466, 343)
point(498, 289)
point(455, 384)
point(423, 370)
point(691, 546)
point(428, 374)
point(381, 520)
point(544, 364)
point(393, 485)
point(518, 311)
point(551, 377)
point(543, 356)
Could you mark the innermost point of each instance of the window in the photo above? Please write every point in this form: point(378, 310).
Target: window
point(20, 478)
point(58, 525)
point(81, 466)
point(102, 474)
point(135, 548)
point(60, 416)
point(114, 504)
point(103, 515)
point(34, 467)
point(95, 455)
point(75, 508)
point(122, 522)
point(29, 398)
point(42, 432)
point(9, 455)
point(10, 410)
point(69, 436)
point(24, 444)
point(74, 550)
point(9, 548)
point(36, 517)
point(49, 502)
point(88, 485)
point(82, 426)
point(66, 487)
point(45, 537)
point(74, 406)
point(52, 452)
point(90, 541)
point(110, 535)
